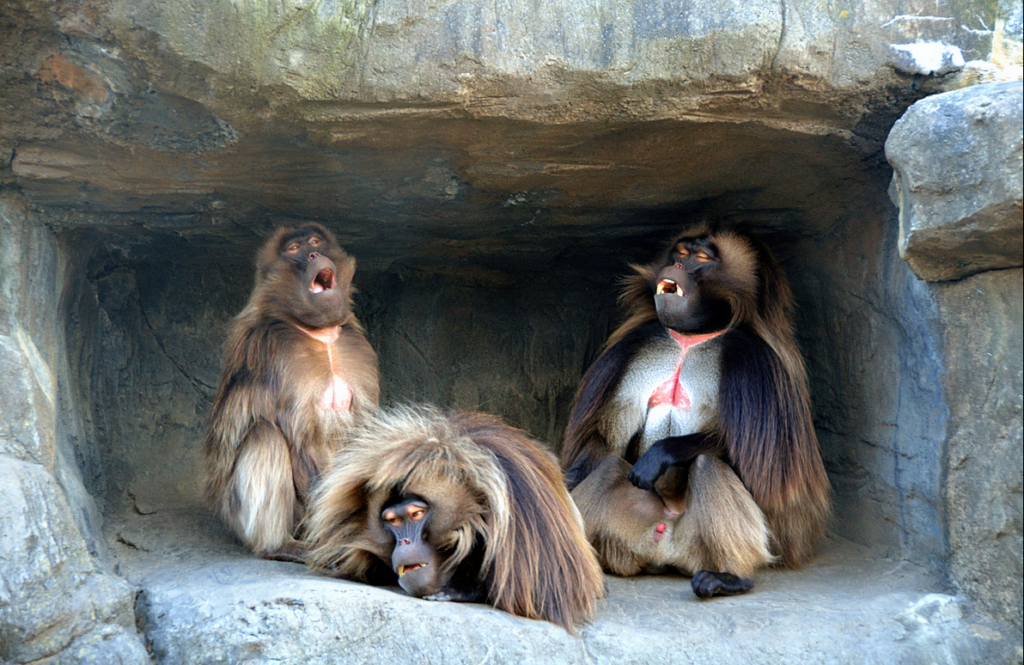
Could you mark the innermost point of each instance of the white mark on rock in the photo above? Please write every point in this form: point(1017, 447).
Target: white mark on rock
point(40, 369)
point(932, 609)
point(929, 57)
point(296, 58)
point(911, 17)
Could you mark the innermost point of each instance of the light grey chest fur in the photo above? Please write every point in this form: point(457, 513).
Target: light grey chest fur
point(653, 366)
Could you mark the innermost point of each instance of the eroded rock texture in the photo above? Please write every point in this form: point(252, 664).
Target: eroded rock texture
point(959, 183)
point(957, 180)
point(59, 602)
point(984, 386)
point(494, 167)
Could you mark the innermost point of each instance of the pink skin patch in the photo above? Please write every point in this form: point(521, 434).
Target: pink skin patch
point(338, 395)
point(659, 532)
point(672, 391)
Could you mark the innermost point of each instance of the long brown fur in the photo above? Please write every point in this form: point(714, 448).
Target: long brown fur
point(778, 459)
point(489, 482)
point(721, 528)
point(268, 437)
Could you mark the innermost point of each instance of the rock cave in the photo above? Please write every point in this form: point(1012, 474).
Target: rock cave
point(494, 169)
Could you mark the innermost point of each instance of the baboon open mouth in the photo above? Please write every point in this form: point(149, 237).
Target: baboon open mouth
point(669, 287)
point(402, 570)
point(324, 281)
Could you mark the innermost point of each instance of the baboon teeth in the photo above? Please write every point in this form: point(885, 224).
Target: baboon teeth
point(402, 570)
point(667, 286)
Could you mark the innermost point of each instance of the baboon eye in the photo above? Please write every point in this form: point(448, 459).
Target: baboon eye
point(314, 241)
point(682, 251)
point(703, 257)
point(416, 514)
point(292, 247)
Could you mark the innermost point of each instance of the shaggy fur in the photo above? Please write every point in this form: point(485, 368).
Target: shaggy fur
point(268, 436)
point(720, 527)
point(491, 487)
point(763, 427)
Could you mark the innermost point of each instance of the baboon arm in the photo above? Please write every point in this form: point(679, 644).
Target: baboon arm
point(672, 451)
point(585, 444)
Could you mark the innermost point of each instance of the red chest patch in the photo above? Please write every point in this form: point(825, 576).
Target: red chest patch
point(672, 391)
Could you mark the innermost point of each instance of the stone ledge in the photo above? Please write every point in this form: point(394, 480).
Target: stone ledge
point(957, 180)
point(204, 600)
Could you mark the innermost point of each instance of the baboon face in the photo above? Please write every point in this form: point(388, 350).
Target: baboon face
point(685, 296)
point(425, 520)
point(311, 277)
point(414, 559)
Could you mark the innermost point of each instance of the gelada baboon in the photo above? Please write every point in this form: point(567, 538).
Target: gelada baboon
point(299, 374)
point(456, 506)
point(704, 391)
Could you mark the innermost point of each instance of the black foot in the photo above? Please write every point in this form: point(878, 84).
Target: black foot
point(707, 584)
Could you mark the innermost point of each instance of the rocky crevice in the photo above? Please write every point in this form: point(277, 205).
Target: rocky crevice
point(494, 169)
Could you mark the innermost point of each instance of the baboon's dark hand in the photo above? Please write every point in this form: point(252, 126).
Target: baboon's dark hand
point(651, 466)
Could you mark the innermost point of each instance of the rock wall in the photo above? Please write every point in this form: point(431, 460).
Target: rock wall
point(58, 602)
point(957, 160)
point(866, 326)
point(983, 385)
